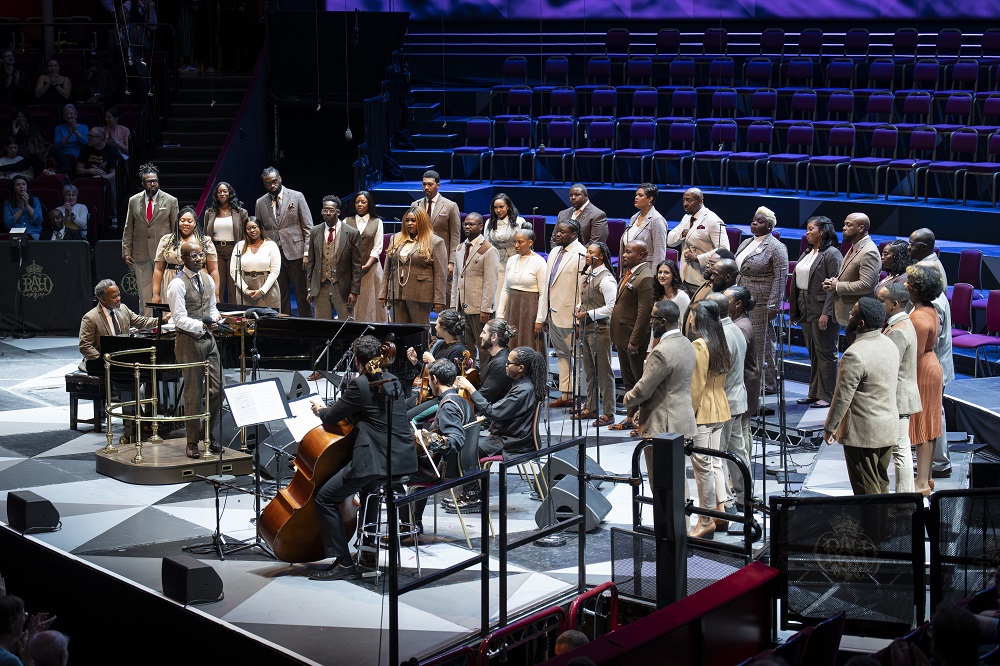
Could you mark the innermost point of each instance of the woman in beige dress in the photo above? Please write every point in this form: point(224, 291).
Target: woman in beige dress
point(168, 254)
point(367, 221)
point(255, 267)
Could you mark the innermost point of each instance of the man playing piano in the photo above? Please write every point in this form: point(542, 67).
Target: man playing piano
point(109, 317)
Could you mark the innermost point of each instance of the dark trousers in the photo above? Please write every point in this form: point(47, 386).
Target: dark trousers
point(822, 346)
point(292, 274)
point(868, 469)
point(329, 497)
point(227, 291)
point(191, 350)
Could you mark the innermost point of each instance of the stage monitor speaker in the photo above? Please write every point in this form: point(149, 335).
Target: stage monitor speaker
point(293, 383)
point(563, 502)
point(984, 472)
point(189, 580)
point(29, 513)
point(565, 462)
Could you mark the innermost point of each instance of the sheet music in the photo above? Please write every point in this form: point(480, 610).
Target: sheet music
point(303, 420)
point(257, 402)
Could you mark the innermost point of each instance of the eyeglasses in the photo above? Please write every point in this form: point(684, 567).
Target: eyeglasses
point(509, 363)
point(196, 255)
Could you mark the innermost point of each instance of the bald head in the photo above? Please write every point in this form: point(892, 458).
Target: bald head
point(725, 272)
point(49, 648)
point(856, 227)
point(921, 244)
point(634, 254)
point(722, 301)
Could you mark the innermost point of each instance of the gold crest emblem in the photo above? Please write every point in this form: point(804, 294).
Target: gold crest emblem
point(129, 284)
point(846, 552)
point(34, 283)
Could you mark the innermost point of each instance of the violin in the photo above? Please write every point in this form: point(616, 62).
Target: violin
point(290, 522)
point(422, 382)
point(470, 372)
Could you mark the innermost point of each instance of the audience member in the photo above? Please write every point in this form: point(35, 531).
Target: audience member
point(474, 287)
point(368, 222)
point(630, 322)
point(504, 222)
point(860, 417)
point(698, 235)
point(12, 163)
point(859, 271)
point(49, 648)
point(593, 316)
point(57, 228)
point(284, 216)
point(711, 409)
point(592, 220)
point(22, 209)
point(569, 640)
point(334, 273)
point(443, 214)
point(647, 226)
point(117, 135)
point(894, 297)
point(811, 306)
point(75, 214)
point(70, 137)
point(100, 86)
point(924, 285)
point(565, 268)
point(416, 279)
point(223, 222)
point(151, 214)
point(52, 87)
point(955, 636)
point(763, 264)
point(524, 298)
point(17, 629)
point(99, 160)
point(13, 80)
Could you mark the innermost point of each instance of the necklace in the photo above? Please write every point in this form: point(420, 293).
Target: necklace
point(404, 261)
point(515, 274)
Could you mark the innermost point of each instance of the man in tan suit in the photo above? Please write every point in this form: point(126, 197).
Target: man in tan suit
point(335, 271)
point(284, 214)
point(473, 290)
point(565, 265)
point(444, 216)
point(630, 319)
point(592, 220)
point(898, 328)
point(860, 417)
point(859, 272)
point(151, 216)
point(110, 317)
point(697, 236)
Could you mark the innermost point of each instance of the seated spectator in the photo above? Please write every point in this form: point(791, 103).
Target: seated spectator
point(956, 637)
point(38, 150)
point(70, 137)
point(19, 128)
point(52, 87)
point(75, 214)
point(22, 209)
point(13, 81)
point(57, 228)
point(99, 160)
point(116, 135)
point(14, 635)
point(12, 163)
point(570, 639)
point(49, 648)
point(99, 84)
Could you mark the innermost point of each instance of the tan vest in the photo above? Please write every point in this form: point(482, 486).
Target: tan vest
point(330, 255)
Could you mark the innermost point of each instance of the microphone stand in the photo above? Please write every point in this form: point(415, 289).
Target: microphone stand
point(391, 263)
point(239, 272)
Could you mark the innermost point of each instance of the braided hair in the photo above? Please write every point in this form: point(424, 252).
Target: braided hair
point(535, 368)
point(198, 233)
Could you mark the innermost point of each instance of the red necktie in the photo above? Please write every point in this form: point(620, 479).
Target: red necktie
point(149, 210)
point(329, 236)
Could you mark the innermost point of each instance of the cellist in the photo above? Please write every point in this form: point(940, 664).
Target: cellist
point(366, 407)
point(449, 331)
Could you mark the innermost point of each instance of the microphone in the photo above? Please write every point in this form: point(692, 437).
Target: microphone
point(254, 314)
point(348, 135)
point(367, 330)
point(207, 321)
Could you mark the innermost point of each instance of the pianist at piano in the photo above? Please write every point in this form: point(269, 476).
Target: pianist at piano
point(110, 317)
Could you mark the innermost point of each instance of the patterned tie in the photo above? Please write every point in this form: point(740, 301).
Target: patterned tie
point(428, 208)
point(114, 322)
point(196, 281)
point(149, 211)
point(329, 235)
point(555, 267)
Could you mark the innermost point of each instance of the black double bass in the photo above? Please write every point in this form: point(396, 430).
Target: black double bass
point(290, 522)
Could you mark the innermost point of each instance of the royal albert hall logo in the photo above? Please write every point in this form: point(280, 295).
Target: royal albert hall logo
point(34, 283)
point(129, 284)
point(846, 552)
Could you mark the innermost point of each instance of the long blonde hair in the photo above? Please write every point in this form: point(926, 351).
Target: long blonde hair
point(424, 233)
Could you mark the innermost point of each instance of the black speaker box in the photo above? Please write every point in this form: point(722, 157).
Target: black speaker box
point(984, 473)
point(189, 580)
point(29, 513)
point(293, 383)
point(566, 462)
point(563, 502)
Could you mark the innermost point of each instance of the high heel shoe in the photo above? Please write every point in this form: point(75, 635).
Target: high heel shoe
point(704, 529)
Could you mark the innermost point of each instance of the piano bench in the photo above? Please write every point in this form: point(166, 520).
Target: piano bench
point(89, 387)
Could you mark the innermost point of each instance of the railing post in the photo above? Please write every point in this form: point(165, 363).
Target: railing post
point(669, 518)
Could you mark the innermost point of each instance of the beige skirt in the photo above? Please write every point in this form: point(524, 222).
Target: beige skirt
point(522, 310)
point(272, 299)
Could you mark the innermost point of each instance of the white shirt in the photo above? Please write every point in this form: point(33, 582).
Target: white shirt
point(176, 292)
point(223, 229)
point(579, 211)
point(529, 274)
point(894, 318)
point(362, 222)
point(108, 314)
point(802, 269)
point(750, 248)
point(609, 289)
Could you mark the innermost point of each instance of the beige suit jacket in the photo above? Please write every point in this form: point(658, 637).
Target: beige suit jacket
point(566, 286)
point(473, 291)
point(663, 393)
point(706, 232)
point(291, 228)
point(94, 324)
point(861, 413)
point(139, 238)
point(905, 338)
point(593, 223)
point(347, 262)
point(858, 277)
point(445, 220)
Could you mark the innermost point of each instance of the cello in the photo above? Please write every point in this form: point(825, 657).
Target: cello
point(289, 524)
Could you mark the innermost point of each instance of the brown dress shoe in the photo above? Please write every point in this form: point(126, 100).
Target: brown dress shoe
point(561, 402)
point(192, 450)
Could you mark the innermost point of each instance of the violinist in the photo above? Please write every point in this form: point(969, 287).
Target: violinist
point(449, 331)
point(453, 414)
point(365, 406)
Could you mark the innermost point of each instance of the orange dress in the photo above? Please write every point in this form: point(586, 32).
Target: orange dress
point(926, 424)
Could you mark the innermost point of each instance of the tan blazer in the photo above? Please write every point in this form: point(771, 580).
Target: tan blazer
point(291, 228)
point(860, 415)
point(857, 278)
point(473, 291)
point(593, 223)
point(564, 292)
point(139, 238)
point(423, 281)
point(708, 391)
point(445, 220)
point(817, 301)
point(94, 324)
point(706, 232)
point(664, 391)
point(907, 394)
point(630, 318)
point(347, 263)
